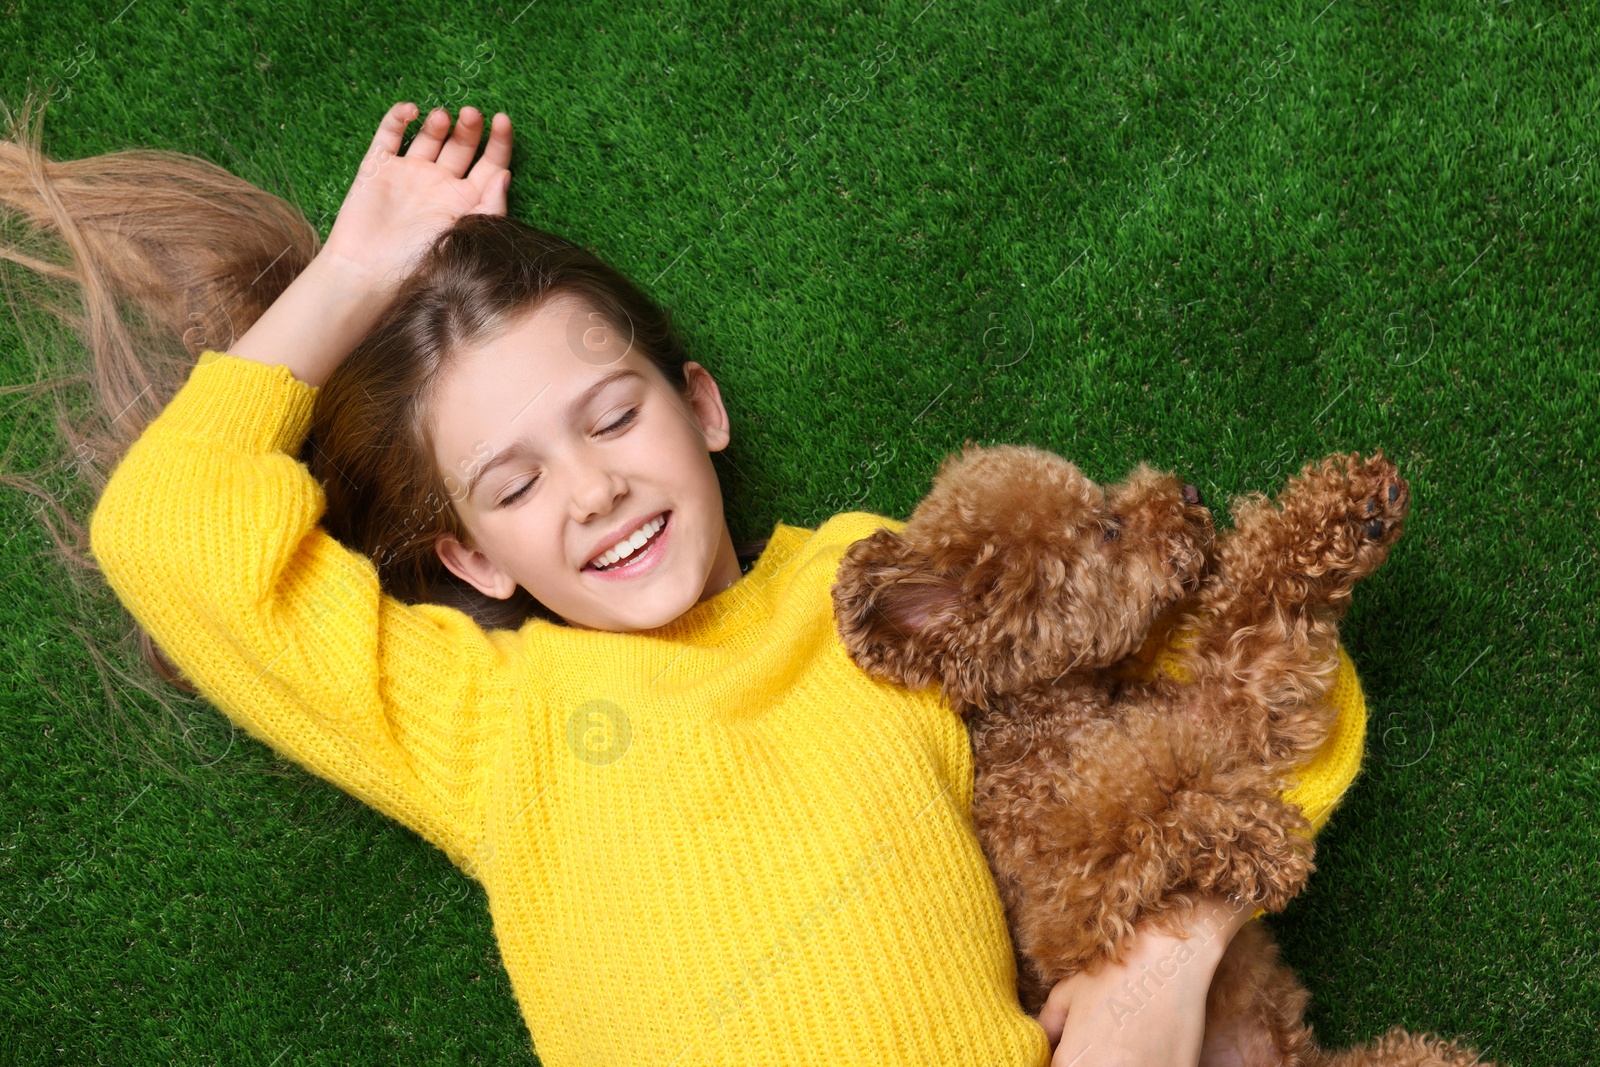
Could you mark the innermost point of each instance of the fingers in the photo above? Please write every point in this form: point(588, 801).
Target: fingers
point(391, 129)
point(494, 197)
point(1053, 1016)
point(490, 173)
point(497, 155)
point(456, 155)
point(425, 145)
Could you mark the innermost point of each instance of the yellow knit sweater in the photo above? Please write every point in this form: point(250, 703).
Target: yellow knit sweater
point(718, 842)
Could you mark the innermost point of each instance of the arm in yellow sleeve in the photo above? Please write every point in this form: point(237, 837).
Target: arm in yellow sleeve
point(1323, 780)
point(208, 533)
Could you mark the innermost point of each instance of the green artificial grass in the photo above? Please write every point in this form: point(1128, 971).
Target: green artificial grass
point(1227, 239)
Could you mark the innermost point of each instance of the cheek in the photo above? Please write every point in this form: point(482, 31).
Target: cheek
point(668, 449)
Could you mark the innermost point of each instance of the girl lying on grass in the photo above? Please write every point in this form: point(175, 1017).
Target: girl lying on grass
point(429, 509)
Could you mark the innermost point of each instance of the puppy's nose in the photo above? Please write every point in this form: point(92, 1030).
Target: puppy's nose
point(1191, 494)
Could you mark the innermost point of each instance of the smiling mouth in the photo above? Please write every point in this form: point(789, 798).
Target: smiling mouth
point(637, 554)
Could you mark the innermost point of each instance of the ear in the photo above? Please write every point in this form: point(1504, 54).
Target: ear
point(892, 610)
point(706, 400)
point(474, 568)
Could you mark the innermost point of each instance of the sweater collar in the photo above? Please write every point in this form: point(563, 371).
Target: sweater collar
point(712, 619)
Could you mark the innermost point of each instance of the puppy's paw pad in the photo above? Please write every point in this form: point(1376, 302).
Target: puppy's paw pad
point(1384, 498)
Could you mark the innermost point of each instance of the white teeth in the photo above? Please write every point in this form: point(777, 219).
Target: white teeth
point(630, 544)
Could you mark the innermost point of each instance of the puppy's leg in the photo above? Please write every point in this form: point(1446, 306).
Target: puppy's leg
point(1400, 1048)
point(1255, 1009)
point(1266, 621)
point(1255, 1017)
point(1113, 834)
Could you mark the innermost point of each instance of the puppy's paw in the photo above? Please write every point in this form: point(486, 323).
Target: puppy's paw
point(1374, 501)
point(1335, 521)
point(1384, 498)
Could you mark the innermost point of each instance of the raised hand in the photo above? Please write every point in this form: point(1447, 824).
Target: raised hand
point(396, 207)
point(398, 203)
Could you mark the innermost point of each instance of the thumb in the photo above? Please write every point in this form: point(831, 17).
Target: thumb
point(1053, 1016)
point(494, 197)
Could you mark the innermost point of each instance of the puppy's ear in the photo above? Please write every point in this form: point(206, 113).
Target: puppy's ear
point(891, 608)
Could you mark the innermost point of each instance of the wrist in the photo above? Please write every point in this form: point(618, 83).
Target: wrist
point(317, 320)
point(348, 298)
point(347, 278)
point(1203, 931)
point(1193, 958)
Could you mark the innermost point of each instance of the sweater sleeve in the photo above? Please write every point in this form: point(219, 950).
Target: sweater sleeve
point(1321, 782)
point(208, 533)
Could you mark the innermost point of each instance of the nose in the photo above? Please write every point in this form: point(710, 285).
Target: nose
point(1191, 494)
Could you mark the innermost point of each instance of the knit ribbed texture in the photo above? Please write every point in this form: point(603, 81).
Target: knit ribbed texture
point(714, 843)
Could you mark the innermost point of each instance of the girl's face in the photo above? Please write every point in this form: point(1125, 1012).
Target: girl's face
point(557, 439)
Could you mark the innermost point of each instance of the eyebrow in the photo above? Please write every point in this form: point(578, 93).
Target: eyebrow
point(574, 409)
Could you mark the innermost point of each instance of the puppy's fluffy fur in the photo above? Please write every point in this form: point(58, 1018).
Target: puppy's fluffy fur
point(1104, 800)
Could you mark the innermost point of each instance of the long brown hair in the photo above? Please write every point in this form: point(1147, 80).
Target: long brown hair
point(145, 258)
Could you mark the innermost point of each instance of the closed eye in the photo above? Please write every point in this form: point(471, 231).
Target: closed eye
point(613, 428)
point(620, 423)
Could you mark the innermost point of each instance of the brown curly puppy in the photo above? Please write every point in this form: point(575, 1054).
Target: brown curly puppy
point(1104, 801)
